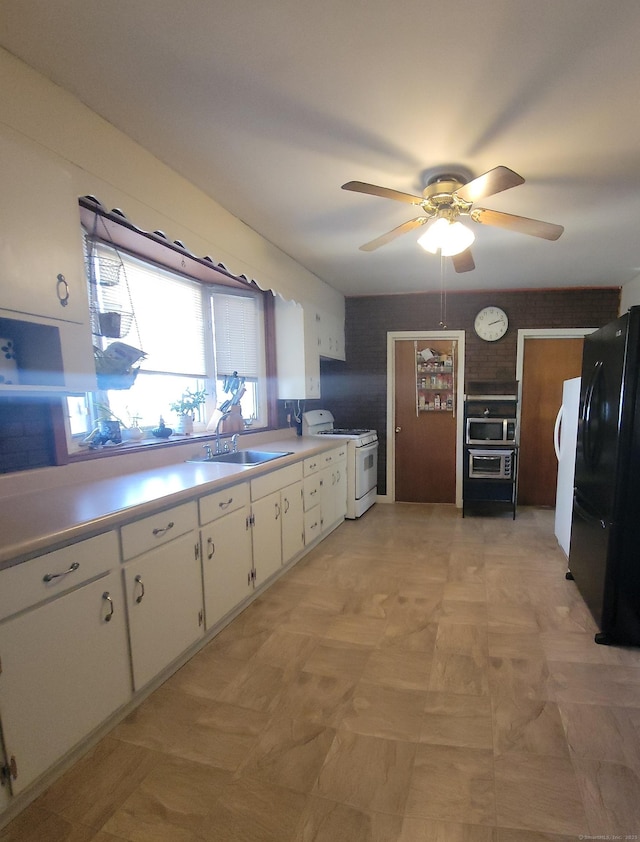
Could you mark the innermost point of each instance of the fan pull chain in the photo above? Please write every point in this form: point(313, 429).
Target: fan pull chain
point(443, 296)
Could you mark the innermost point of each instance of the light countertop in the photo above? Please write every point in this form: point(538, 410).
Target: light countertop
point(38, 521)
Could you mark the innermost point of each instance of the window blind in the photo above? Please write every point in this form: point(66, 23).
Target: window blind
point(170, 316)
point(237, 335)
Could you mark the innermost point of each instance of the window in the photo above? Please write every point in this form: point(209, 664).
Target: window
point(195, 337)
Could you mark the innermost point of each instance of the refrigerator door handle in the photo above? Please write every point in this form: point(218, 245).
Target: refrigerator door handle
point(589, 443)
point(585, 515)
point(556, 433)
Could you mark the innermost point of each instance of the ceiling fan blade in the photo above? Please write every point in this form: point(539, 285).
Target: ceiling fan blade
point(396, 232)
point(534, 227)
point(383, 192)
point(492, 182)
point(463, 262)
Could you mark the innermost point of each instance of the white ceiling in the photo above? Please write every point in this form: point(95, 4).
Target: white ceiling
point(269, 106)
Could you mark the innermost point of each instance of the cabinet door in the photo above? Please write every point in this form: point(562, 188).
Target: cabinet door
point(41, 235)
point(164, 604)
point(292, 521)
point(266, 536)
point(226, 564)
point(340, 488)
point(65, 669)
point(327, 497)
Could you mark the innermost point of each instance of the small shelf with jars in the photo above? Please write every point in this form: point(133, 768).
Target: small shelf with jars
point(435, 381)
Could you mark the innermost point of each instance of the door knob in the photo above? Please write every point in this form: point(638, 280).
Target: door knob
point(398, 429)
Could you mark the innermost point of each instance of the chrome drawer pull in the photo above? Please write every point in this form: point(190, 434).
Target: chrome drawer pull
point(106, 596)
point(227, 504)
point(62, 290)
point(212, 548)
point(141, 583)
point(49, 577)
point(161, 530)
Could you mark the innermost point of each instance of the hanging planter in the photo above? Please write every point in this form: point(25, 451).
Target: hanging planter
point(116, 366)
point(112, 324)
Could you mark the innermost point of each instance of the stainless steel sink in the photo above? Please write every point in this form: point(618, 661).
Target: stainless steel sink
point(243, 457)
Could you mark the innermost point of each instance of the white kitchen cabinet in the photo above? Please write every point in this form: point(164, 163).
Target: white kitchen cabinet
point(226, 551)
point(266, 533)
point(297, 354)
point(65, 665)
point(270, 495)
point(330, 335)
point(311, 494)
point(325, 485)
point(292, 521)
point(163, 587)
point(43, 304)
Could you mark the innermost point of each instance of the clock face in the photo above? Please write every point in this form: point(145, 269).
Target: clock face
point(491, 323)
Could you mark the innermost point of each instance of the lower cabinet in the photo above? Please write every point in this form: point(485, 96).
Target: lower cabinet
point(163, 589)
point(65, 669)
point(276, 519)
point(325, 491)
point(292, 521)
point(164, 603)
point(226, 551)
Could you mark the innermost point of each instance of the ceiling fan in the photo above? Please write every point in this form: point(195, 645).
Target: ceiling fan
point(448, 196)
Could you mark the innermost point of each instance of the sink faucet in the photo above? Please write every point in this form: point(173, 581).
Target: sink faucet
point(208, 453)
point(234, 442)
point(220, 420)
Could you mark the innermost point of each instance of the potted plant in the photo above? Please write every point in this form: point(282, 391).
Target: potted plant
point(186, 407)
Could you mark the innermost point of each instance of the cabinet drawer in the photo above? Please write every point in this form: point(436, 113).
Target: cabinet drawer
point(312, 524)
point(54, 573)
point(313, 464)
point(158, 529)
point(223, 502)
point(334, 456)
point(274, 481)
point(311, 491)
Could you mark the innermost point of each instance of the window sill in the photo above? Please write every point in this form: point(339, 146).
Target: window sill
point(150, 442)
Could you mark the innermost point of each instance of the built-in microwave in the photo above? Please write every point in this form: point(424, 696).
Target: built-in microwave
point(491, 430)
point(490, 464)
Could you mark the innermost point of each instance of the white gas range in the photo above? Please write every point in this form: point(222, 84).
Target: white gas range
point(362, 458)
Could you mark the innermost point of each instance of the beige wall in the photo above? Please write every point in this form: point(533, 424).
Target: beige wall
point(630, 295)
point(107, 164)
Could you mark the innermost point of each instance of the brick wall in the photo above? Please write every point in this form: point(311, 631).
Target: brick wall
point(355, 391)
point(26, 434)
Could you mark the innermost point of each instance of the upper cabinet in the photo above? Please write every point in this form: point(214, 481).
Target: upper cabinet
point(303, 335)
point(44, 309)
point(330, 333)
point(297, 354)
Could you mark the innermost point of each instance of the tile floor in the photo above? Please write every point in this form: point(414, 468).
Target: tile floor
point(418, 677)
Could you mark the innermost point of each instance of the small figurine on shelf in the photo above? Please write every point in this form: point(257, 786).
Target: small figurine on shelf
point(161, 431)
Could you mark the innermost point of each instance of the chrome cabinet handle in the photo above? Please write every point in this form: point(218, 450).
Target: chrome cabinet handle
point(286, 505)
point(62, 290)
point(141, 583)
point(161, 530)
point(212, 548)
point(107, 597)
point(226, 504)
point(49, 577)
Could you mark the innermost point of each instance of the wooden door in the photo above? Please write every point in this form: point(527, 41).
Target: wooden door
point(547, 364)
point(425, 442)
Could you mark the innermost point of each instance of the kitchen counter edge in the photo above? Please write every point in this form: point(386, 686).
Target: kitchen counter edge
point(38, 522)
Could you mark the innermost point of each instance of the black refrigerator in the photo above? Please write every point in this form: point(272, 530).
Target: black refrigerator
point(604, 558)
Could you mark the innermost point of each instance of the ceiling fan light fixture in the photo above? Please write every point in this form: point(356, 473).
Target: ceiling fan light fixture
point(448, 237)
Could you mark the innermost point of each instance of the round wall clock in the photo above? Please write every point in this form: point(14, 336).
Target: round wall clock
point(491, 323)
